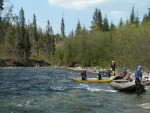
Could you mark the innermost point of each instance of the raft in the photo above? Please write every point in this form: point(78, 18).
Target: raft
point(125, 86)
point(92, 80)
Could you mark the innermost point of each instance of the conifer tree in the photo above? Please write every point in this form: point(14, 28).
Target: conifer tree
point(112, 26)
point(148, 15)
point(137, 22)
point(97, 21)
point(21, 40)
point(50, 40)
point(120, 22)
point(1, 8)
point(132, 16)
point(62, 28)
point(105, 24)
point(36, 45)
point(78, 28)
point(27, 46)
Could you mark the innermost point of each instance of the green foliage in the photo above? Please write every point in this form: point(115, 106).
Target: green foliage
point(127, 45)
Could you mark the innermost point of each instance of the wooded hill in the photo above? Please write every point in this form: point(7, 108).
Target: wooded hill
point(127, 43)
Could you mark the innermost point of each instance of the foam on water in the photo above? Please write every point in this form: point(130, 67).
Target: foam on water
point(144, 105)
point(94, 89)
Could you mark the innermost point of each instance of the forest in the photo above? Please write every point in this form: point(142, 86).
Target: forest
point(25, 44)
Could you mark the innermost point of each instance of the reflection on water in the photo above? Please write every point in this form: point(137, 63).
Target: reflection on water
point(50, 90)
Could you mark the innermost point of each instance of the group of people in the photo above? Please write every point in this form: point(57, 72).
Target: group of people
point(108, 73)
point(123, 75)
point(101, 72)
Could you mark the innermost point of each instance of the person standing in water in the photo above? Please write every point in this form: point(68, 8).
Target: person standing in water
point(138, 80)
point(83, 75)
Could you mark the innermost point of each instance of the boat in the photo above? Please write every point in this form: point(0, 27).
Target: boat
point(125, 85)
point(93, 80)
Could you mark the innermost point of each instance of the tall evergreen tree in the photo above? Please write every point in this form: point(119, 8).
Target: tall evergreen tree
point(1, 24)
point(1, 8)
point(78, 28)
point(105, 24)
point(97, 21)
point(36, 45)
point(21, 43)
point(120, 22)
point(71, 34)
point(62, 28)
point(27, 46)
point(148, 14)
point(132, 16)
point(137, 22)
point(112, 26)
point(146, 17)
point(50, 40)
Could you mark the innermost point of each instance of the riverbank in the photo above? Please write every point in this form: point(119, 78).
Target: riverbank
point(30, 63)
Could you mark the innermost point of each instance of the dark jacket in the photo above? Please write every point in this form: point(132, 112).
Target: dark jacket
point(113, 66)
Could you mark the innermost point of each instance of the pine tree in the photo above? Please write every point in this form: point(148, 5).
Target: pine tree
point(1, 8)
point(146, 17)
point(120, 22)
point(78, 28)
point(97, 21)
point(132, 16)
point(50, 40)
point(148, 14)
point(21, 40)
point(62, 28)
point(36, 45)
point(105, 24)
point(137, 22)
point(112, 26)
point(27, 46)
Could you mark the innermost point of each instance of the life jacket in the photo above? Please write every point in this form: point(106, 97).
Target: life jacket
point(136, 74)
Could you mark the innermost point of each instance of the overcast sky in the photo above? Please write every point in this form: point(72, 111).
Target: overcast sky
point(74, 10)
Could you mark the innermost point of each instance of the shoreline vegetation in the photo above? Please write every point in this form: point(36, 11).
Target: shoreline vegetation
point(35, 63)
point(26, 45)
point(30, 63)
point(40, 63)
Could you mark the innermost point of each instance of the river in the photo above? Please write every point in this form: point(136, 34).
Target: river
point(51, 90)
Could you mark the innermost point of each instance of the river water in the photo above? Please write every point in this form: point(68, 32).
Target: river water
point(50, 90)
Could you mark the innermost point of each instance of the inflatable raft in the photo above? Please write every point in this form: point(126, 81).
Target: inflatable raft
point(125, 85)
point(93, 80)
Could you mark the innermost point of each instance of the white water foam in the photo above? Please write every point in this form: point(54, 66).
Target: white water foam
point(144, 105)
point(93, 89)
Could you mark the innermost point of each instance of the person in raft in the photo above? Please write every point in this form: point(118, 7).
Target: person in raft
point(100, 73)
point(113, 66)
point(83, 75)
point(122, 75)
point(138, 80)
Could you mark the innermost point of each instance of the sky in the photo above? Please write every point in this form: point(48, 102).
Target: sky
point(74, 10)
